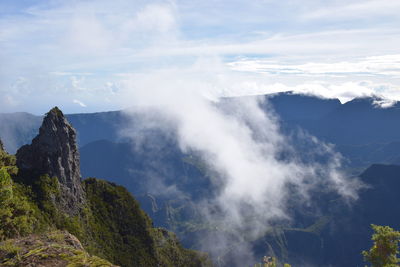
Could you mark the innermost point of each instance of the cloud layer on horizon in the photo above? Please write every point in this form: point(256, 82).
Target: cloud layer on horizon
point(73, 52)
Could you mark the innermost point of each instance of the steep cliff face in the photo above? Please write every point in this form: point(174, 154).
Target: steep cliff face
point(54, 152)
point(47, 193)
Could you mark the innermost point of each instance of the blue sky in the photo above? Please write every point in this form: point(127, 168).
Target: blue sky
point(87, 56)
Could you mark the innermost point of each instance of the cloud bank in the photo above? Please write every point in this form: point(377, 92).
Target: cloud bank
point(57, 51)
point(256, 170)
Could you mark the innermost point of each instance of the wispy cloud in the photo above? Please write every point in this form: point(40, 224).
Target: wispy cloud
point(353, 10)
point(241, 144)
point(48, 41)
point(388, 65)
point(80, 103)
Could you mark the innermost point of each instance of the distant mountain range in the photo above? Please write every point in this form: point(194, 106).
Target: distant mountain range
point(361, 130)
point(364, 133)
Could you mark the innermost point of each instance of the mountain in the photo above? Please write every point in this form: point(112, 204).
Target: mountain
point(98, 126)
point(377, 200)
point(17, 129)
point(360, 121)
point(364, 155)
point(161, 177)
point(357, 123)
point(162, 161)
point(48, 194)
point(179, 181)
point(297, 108)
point(54, 152)
point(362, 131)
point(338, 231)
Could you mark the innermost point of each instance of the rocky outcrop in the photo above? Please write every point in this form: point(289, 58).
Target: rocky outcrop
point(54, 152)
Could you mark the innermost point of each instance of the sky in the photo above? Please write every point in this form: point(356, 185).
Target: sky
point(87, 56)
point(174, 56)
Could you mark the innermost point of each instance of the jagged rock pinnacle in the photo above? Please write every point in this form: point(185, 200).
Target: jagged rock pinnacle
point(54, 152)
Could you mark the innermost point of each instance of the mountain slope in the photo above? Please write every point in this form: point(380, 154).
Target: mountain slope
point(355, 123)
point(56, 248)
point(97, 126)
point(299, 109)
point(105, 217)
point(360, 121)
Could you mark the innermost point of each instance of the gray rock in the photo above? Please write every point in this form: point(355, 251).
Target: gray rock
point(54, 152)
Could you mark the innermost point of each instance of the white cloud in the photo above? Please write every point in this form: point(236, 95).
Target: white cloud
point(375, 75)
point(344, 91)
point(388, 65)
point(86, 34)
point(155, 17)
point(50, 41)
point(355, 10)
point(239, 141)
point(80, 103)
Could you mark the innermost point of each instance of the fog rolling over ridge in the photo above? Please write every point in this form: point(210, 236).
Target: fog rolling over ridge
point(255, 169)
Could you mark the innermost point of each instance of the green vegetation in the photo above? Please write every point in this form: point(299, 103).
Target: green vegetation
point(16, 212)
point(170, 253)
point(9, 249)
point(271, 262)
point(385, 248)
point(7, 161)
point(117, 226)
point(53, 248)
point(111, 225)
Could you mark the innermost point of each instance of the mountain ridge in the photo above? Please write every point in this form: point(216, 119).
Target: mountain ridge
point(108, 221)
point(292, 109)
point(54, 152)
